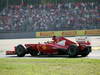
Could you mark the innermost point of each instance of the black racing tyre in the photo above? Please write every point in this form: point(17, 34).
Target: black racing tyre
point(20, 51)
point(72, 51)
point(86, 51)
point(32, 52)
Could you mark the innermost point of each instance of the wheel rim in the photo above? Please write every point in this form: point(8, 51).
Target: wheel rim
point(72, 51)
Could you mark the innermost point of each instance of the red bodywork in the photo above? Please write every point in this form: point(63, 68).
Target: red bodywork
point(51, 47)
point(54, 46)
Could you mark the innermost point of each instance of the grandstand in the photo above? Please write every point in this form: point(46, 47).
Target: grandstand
point(49, 15)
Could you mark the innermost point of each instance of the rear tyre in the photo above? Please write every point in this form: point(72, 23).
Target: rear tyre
point(20, 51)
point(86, 51)
point(72, 51)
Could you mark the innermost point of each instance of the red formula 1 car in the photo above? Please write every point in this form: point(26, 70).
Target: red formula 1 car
point(59, 46)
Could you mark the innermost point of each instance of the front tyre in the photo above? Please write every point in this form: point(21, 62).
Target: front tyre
point(72, 51)
point(32, 52)
point(20, 51)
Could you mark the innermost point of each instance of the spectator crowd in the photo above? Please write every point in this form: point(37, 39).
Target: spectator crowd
point(62, 16)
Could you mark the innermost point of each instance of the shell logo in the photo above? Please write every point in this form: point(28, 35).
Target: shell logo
point(44, 47)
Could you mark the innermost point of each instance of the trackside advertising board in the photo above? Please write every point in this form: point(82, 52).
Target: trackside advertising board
point(56, 33)
point(92, 32)
point(68, 33)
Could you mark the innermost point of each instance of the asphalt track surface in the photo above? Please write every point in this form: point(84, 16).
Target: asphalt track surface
point(8, 44)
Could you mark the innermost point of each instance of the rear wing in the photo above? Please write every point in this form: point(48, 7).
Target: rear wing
point(83, 40)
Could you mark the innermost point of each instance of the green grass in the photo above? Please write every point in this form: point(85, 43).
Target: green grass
point(65, 66)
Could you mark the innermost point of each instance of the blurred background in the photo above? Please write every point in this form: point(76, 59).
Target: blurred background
point(28, 16)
